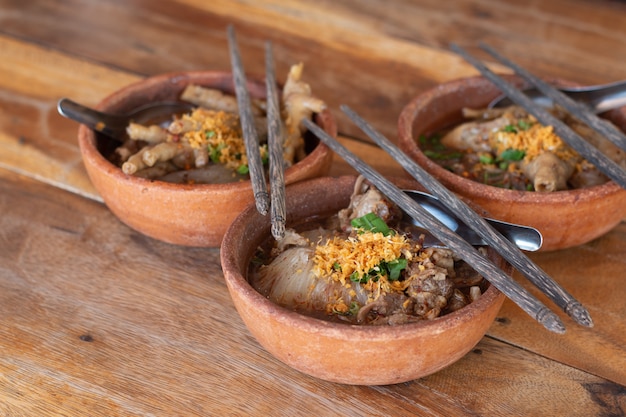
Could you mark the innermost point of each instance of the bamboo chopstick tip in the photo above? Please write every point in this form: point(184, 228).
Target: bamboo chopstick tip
point(579, 313)
point(278, 230)
point(550, 321)
point(262, 201)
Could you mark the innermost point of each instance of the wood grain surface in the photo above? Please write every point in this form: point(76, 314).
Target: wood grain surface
point(98, 320)
point(153, 332)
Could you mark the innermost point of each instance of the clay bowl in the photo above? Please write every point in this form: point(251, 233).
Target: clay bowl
point(565, 218)
point(184, 214)
point(340, 352)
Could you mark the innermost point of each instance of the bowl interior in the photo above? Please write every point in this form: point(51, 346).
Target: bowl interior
point(441, 108)
point(303, 342)
point(152, 207)
point(168, 87)
point(558, 215)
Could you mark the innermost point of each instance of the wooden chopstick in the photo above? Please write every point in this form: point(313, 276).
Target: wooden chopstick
point(251, 140)
point(578, 110)
point(580, 145)
point(492, 237)
point(473, 257)
point(278, 212)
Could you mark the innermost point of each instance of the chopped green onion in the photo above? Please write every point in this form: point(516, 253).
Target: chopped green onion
point(371, 223)
point(395, 267)
point(392, 269)
point(434, 141)
point(354, 308)
point(485, 159)
point(442, 155)
point(513, 155)
point(524, 125)
point(215, 152)
point(433, 154)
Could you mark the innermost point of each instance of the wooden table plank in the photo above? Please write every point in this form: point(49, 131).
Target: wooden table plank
point(350, 57)
point(34, 138)
point(38, 142)
point(47, 150)
point(599, 350)
point(131, 326)
point(96, 319)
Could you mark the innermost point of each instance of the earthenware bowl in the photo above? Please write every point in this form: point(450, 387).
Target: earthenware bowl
point(565, 218)
point(184, 214)
point(338, 352)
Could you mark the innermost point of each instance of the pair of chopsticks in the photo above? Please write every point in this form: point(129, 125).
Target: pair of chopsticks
point(507, 249)
point(604, 164)
point(471, 255)
point(275, 204)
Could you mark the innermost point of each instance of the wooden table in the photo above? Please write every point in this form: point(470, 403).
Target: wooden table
point(98, 320)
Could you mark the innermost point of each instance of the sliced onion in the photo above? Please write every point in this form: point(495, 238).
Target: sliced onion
point(289, 281)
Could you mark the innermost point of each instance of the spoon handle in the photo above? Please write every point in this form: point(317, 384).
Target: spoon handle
point(599, 98)
point(613, 97)
point(525, 238)
point(93, 119)
point(78, 112)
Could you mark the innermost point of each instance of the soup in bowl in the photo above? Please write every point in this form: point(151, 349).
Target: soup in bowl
point(352, 333)
point(183, 210)
point(571, 206)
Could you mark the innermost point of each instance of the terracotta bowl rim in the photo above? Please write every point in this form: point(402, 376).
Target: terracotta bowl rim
point(406, 137)
point(87, 140)
point(240, 285)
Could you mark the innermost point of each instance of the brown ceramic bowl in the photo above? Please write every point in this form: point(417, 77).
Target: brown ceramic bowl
point(184, 214)
point(338, 352)
point(565, 218)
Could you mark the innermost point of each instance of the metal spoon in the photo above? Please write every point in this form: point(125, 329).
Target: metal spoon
point(599, 98)
point(525, 237)
point(114, 125)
